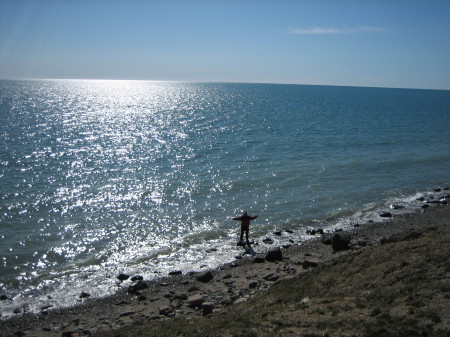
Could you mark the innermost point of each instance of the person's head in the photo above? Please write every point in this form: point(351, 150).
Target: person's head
point(245, 213)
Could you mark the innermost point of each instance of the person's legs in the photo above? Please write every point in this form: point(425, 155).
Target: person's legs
point(246, 235)
point(242, 234)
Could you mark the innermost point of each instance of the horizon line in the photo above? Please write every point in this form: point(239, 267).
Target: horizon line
point(219, 81)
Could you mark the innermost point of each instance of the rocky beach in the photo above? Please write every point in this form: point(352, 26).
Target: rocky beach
point(202, 301)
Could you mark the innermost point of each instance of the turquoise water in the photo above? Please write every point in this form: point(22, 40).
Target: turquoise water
point(102, 177)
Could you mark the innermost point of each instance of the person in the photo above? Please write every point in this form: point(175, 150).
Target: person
point(245, 225)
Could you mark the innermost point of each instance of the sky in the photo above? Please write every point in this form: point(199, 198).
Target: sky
point(403, 44)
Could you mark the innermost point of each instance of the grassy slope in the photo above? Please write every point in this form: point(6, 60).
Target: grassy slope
point(400, 288)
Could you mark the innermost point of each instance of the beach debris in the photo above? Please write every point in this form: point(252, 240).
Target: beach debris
point(340, 241)
point(274, 254)
point(122, 277)
point(204, 277)
point(268, 241)
point(175, 272)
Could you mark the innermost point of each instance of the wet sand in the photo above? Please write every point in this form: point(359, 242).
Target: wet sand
point(190, 296)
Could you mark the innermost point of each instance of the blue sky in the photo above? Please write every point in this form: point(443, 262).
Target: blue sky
point(361, 43)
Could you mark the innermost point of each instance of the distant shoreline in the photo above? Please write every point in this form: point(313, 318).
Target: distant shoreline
point(234, 282)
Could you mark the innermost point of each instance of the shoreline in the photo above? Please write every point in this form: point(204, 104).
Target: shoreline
point(189, 296)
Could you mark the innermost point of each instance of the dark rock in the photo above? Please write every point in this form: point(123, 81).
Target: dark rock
point(68, 334)
point(205, 277)
point(135, 288)
point(227, 276)
point(287, 246)
point(268, 241)
point(271, 277)
point(326, 240)
point(437, 190)
point(340, 241)
point(226, 301)
point(195, 301)
point(259, 259)
point(126, 313)
point(3, 297)
point(207, 308)
point(175, 272)
point(309, 264)
point(274, 254)
point(289, 231)
point(175, 303)
point(123, 277)
point(386, 215)
point(420, 199)
point(278, 233)
point(165, 310)
point(425, 206)
point(122, 303)
point(85, 295)
point(193, 288)
point(253, 285)
point(137, 278)
point(315, 231)
point(181, 297)
point(142, 298)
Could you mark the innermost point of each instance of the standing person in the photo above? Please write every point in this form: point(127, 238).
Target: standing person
point(245, 225)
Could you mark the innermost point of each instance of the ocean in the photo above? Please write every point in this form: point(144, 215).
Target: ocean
point(103, 177)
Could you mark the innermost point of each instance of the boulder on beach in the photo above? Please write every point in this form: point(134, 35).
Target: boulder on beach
point(340, 241)
point(195, 301)
point(386, 215)
point(274, 254)
point(84, 295)
point(207, 308)
point(135, 288)
point(204, 277)
point(123, 277)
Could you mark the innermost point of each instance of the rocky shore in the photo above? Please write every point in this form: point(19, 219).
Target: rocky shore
point(212, 293)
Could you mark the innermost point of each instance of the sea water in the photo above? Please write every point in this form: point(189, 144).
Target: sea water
point(103, 177)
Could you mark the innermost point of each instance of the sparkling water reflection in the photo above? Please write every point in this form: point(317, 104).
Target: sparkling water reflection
point(103, 176)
